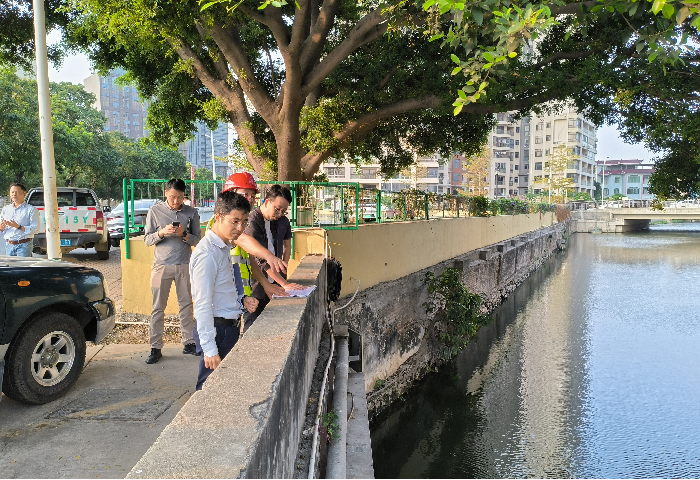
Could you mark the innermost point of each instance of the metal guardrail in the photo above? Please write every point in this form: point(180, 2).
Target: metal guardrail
point(332, 206)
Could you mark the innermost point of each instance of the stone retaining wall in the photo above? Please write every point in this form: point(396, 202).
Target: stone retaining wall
point(399, 339)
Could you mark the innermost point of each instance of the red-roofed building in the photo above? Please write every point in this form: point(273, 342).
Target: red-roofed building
point(626, 177)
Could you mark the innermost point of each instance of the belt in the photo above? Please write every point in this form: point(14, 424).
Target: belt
point(17, 242)
point(226, 322)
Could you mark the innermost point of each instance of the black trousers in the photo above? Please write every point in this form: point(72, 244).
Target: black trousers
point(226, 338)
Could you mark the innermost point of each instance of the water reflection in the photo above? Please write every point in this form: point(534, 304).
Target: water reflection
point(590, 369)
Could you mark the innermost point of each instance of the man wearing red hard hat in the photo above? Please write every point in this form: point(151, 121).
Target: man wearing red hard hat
point(244, 184)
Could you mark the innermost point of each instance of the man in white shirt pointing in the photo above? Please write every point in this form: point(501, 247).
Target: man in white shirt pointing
point(217, 302)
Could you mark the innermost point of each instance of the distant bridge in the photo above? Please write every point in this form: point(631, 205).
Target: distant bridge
point(624, 219)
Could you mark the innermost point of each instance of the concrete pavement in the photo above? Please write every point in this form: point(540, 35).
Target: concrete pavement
point(103, 426)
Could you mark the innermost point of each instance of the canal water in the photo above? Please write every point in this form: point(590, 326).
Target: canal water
point(590, 369)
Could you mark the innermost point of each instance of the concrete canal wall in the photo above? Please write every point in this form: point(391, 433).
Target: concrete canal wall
point(400, 341)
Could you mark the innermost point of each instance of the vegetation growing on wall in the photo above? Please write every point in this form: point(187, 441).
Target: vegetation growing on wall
point(458, 310)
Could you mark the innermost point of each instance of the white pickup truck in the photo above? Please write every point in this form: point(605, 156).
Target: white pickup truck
point(80, 220)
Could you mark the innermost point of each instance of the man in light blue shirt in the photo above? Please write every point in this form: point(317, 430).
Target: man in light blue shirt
point(19, 222)
point(218, 303)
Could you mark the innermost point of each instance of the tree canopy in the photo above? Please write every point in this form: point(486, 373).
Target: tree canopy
point(310, 80)
point(86, 155)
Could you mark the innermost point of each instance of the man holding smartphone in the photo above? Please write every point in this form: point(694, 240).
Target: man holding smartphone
point(173, 228)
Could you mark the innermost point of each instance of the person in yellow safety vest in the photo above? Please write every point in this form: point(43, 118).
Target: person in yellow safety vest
point(244, 184)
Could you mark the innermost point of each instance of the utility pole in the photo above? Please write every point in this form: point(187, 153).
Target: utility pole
point(213, 162)
point(48, 164)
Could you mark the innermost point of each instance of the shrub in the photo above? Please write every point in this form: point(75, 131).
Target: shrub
point(461, 309)
point(479, 206)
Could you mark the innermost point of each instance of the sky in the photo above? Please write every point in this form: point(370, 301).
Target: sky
point(76, 68)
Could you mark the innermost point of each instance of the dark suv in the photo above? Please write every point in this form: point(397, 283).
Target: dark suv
point(48, 310)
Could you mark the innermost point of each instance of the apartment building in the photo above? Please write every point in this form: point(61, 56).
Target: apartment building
point(206, 144)
point(519, 151)
point(572, 130)
point(626, 177)
point(124, 109)
point(431, 174)
point(509, 142)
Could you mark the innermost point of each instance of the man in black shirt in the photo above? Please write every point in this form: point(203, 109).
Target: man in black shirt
point(269, 226)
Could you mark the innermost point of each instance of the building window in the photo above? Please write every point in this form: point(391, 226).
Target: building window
point(527, 166)
point(616, 191)
point(517, 129)
point(632, 190)
point(516, 168)
point(456, 163)
point(456, 177)
point(517, 154)
point(515, 180)
point(517, 142)
point(548, 138)
point(645, 190)
point(549, 124)
point(572, 123)
point(538, 153)
point(115, 104)
point(546, 151)
point(646, 178)
point(335, 172)
point(538, 165)
point(633, 179)
point(616, 179)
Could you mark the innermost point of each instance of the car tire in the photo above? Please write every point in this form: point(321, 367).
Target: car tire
point(45, 359)
point(114, 242)
point(102, 252)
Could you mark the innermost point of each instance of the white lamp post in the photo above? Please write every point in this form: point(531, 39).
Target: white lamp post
point(53, 241)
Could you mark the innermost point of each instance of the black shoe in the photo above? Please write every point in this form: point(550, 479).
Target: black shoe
point(190, 349)
point(154, 356)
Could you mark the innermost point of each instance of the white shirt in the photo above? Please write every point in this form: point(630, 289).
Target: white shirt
point(26, 215)
point(213, 288)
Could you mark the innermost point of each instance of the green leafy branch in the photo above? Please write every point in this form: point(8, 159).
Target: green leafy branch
point(461, 310)
point(511, 29)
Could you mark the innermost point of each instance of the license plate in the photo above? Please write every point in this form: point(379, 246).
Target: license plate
point(65, 242)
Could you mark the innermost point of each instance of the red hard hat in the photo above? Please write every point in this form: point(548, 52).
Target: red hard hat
point(241, 180)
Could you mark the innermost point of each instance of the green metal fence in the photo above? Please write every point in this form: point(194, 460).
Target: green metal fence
point(331, 206)
point(327, 205)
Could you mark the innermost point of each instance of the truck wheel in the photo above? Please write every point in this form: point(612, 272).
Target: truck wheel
point(45, 359)
point(114, 242)
point(102, 249)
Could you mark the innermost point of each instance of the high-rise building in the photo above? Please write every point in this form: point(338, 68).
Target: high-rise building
point(207, 143)
point(509, 144)
point(124, 109)
point(519, 154)
point(567, 129)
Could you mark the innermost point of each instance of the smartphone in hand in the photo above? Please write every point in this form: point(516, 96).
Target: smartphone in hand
point(176, 224)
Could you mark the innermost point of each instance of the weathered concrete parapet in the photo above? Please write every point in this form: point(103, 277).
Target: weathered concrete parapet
point(247, 420)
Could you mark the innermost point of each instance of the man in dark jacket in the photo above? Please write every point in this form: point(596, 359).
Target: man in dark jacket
point(269, 225)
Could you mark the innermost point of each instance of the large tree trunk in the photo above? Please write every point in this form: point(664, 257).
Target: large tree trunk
point(19, 177)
